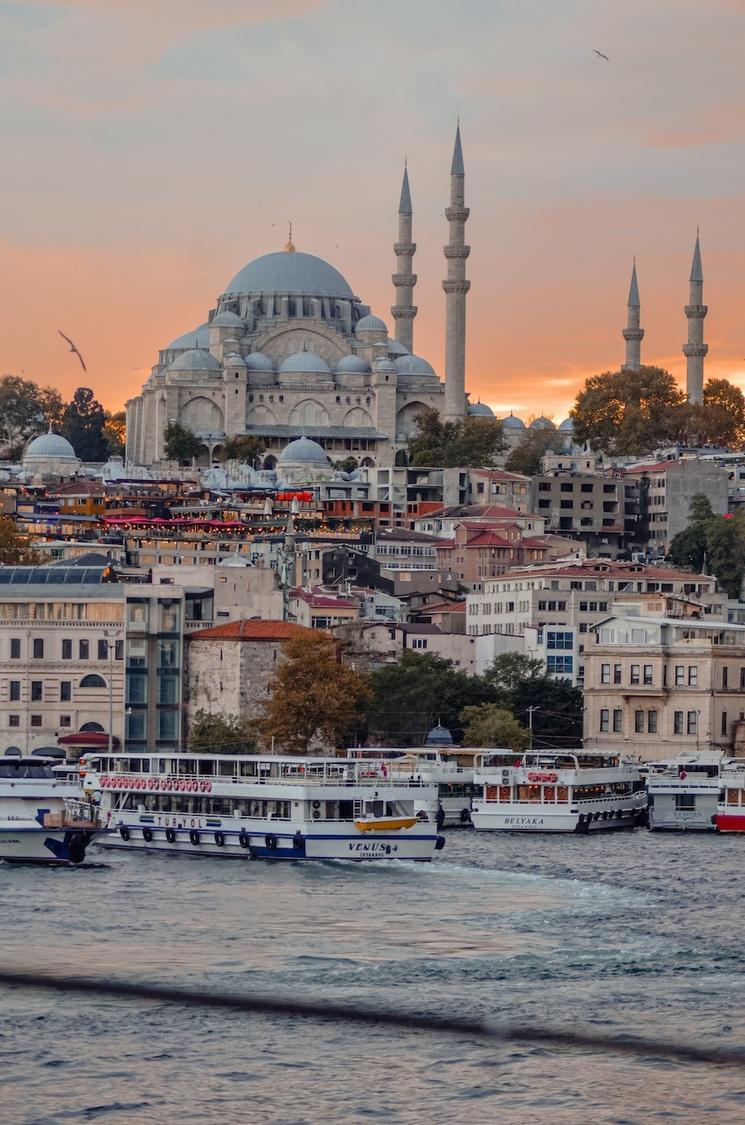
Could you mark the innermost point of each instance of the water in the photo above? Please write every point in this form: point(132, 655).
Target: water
point(633, 932)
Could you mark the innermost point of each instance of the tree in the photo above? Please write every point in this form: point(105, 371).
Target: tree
point(21, 412)
point(628, 412)
point(314, 697)
point(115, 432)
point(243, 447)
point(52, 408)
point(491, 725)
point(83, 426)
point(347, 465)
point(724, 552)
point(411, 696)
point(510, 669)
point(180, 443)
point(470, 441)
point(688, 547)
point(521, 682)
point(14, 548)
point(526, 457)
point(220, 734)
point(719, 420)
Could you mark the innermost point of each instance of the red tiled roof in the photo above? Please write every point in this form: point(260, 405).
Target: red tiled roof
point(324, 601)
point(250, 631)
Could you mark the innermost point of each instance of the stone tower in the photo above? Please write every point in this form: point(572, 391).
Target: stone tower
point(632, 333)
point(403, 279)
point(696, 349)
point(456, 287)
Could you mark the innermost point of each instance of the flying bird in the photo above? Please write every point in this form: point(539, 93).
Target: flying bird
point(601, 55)
point(74, 349)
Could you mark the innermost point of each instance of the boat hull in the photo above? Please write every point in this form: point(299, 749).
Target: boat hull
point(55, 847)
point(516, 819)
point(730, 822)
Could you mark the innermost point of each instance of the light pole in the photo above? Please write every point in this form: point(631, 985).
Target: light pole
point(110, 650)
point(530, 723)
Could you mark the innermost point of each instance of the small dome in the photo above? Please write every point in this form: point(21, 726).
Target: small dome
point(371, 323)
point(352, 365)
point(303, 451)
point(257, 361)
point(394, 348)
point(227, 319)
point(480, 410)
point(413, 365)
point(296, 274)
point(542, 423)
point(197, 338)
point(511, 422)
point(194, 360)
point(567, 426)
point(50, 447)
point(385, 365)
point(233, 359)
point(439, 736)
point(308, 363)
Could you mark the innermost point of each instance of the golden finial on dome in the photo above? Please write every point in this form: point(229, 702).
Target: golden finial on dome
point(290, 247)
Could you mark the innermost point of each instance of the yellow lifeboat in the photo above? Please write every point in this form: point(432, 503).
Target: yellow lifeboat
point(387, 824)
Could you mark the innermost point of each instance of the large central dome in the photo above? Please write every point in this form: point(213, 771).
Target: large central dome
point(290, 272)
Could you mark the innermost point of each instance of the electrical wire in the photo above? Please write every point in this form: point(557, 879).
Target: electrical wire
point(492, 1031)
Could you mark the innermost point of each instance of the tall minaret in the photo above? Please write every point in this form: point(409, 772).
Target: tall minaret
point(456, 287)
point(696, 349)
point(632, 333)
point(403, 279)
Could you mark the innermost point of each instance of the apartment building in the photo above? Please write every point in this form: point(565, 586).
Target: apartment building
point(601, 510)
point(666, 489)
point(656, 686)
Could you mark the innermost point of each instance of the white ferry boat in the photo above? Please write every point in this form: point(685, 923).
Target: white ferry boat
point(255, 807)
point(43, 818)
point(730, 813)
point(450, 769)
point(683, 792)
point(556, 791)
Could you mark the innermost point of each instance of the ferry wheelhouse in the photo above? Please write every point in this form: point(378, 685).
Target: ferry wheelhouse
point(449, 768)
point(556, 791)
point(254, 807)
point(43, 817)
point(730, 813)
point(683, 792)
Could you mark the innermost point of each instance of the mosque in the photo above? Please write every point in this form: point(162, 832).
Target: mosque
point(290, 351)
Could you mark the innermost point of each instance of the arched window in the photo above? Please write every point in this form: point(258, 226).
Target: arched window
point(92, 680)
point(92, 727)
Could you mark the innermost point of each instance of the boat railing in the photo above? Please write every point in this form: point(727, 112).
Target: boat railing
point(75, 814)
point(352, 776)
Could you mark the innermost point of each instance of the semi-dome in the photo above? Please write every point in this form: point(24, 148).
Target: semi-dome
point(352, 365)
point(227, 319)
point(567, 426)
point(194, 360)
point(413, 365)
point(439, 736)
point(371, 323)
point(512, 422)
point(257, 361)
point(396, 348)
point(197, 338)
point(307, 363)
point(480, 410)
point(303, 451)
point(292, 273)
point(541, 423)
point(49, 447)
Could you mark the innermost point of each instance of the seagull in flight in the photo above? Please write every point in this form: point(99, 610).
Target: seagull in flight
point(601, 55)
point(74, 349)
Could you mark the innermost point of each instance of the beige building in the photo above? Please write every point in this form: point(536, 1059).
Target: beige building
point(655, 686)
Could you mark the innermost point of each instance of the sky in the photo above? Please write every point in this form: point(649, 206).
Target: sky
point(151, 148)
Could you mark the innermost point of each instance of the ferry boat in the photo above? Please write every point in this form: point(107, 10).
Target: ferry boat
point(256, 807)
point(683, 792)
point(43, 818)
point(730, 813)
point(556, 791)
point(450, 769)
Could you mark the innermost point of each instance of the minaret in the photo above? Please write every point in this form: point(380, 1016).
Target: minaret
point(696, 349)
point(632, 333)
point(456, 287)
point(403, 279)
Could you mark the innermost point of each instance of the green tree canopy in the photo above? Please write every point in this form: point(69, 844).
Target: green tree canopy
point(180, 443)
point(491, 725)
point(535, 443)
point(83, 426)
point(628, 412)
point(470, 441)
point(717, 541)
point(220, 734)
point(520, 682)
point(242, 447)
point(115, 432)
point(14, 548)
point(25, 410)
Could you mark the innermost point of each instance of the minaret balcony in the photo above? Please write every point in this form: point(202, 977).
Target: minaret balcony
point(695, 349)
point(696, 310)
point(461, 286)
point(451, 251)
point(633, 333)
point(404, 312)
point(404, 248)
point(457, 214)
point(403, 279)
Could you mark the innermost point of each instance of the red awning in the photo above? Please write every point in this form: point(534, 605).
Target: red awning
point(97, 738)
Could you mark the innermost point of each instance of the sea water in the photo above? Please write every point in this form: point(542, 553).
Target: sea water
point(624, 933)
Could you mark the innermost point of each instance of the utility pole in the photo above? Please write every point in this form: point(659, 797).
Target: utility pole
point(530, 723)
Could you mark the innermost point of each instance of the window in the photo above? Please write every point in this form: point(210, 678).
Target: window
point(635, 673)
point(103, 650)
point(685, 802)
point(137, 654)
point(560, 665)
point(65, 691)
point(36, 720)
point(136, 730)
point(15, 649)
point(93, 681)
point(724, 723)
point(168, 689)
point(693, 675)
point(678, 722)
point(605, 673)
point(136, 689)
point(617, 670)
point(725, 677)
point(118, 650)
point(169, 618)
point(651, 722)
point(604, 719)
point(638, 722)
point(15, 691)
point(38, 648)
point(64, 720)
point(648, 679)
point(617, 720)
point(83, 650)
point(742, 676)
point(679, 675)
point(67, 649)
point(559, 640)
point(168, 725)
point(36, 690)
point(14, 720)
point(692, 722)
point(167, 654)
